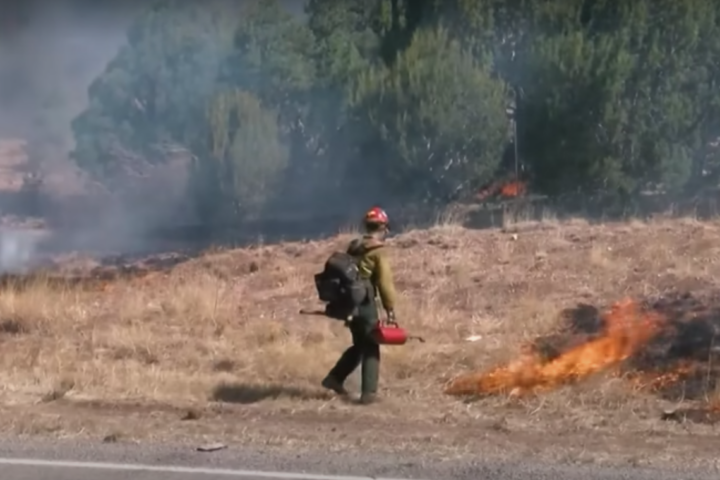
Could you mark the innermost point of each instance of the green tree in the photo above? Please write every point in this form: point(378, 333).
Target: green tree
point(611, 95)
point(272, 57)
point(346, 44)
point(186, 76)
point(615, 99)
point(434, 122)
point(156, 88)
point(245, 161)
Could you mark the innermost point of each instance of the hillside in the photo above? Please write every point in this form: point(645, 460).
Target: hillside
point(183, 337)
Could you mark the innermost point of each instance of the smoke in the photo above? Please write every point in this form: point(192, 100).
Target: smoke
point(50, 52)
point(18, 249)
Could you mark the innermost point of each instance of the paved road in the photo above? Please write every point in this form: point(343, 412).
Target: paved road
point(76, 461)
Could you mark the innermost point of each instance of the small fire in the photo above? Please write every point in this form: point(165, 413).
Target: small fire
point(505, 189)
point(513, 189)
point(627, 329)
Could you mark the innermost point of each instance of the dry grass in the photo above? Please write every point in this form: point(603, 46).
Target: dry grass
point(225, 327)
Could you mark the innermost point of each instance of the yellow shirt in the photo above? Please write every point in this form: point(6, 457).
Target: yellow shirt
point(374, 265)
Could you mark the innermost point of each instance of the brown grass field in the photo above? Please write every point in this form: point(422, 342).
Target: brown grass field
point(215, 348)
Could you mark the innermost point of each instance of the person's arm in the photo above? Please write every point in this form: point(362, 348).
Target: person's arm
point(385, 284)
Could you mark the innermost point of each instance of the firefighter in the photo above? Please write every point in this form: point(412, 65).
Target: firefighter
point(375, 268)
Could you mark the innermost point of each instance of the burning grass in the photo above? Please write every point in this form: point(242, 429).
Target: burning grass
point(667, 348)
point(224, 327)
point(625, 332)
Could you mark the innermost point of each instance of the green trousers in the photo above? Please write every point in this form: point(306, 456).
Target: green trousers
point(364, 352)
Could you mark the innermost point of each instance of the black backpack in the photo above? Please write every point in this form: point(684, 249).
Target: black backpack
point(340, 286)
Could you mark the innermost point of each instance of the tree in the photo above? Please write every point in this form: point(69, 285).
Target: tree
point(155, 90)
point(272, 57)
point(434, 121)
point(615, 99)
point(187, 73)
point(245, 161)
point(406, 100)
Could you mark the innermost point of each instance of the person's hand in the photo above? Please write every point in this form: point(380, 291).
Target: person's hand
point(391, 317)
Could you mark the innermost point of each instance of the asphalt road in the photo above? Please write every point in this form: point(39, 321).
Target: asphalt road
point(65, 460)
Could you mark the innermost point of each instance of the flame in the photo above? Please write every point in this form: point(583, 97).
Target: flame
point(507, 189)
point(627, 329)
point(513, 189)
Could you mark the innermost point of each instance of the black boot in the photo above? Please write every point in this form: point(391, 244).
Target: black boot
point(331, 383)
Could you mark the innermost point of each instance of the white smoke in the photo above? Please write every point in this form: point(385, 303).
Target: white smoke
point(18, 249)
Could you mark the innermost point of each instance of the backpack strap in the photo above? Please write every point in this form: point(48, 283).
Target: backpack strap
point(355, 247)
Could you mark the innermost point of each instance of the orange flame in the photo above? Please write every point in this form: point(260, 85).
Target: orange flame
point(511, 189)
point(627, 330)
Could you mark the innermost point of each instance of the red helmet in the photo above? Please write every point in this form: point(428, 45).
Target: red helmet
point(376, 216)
